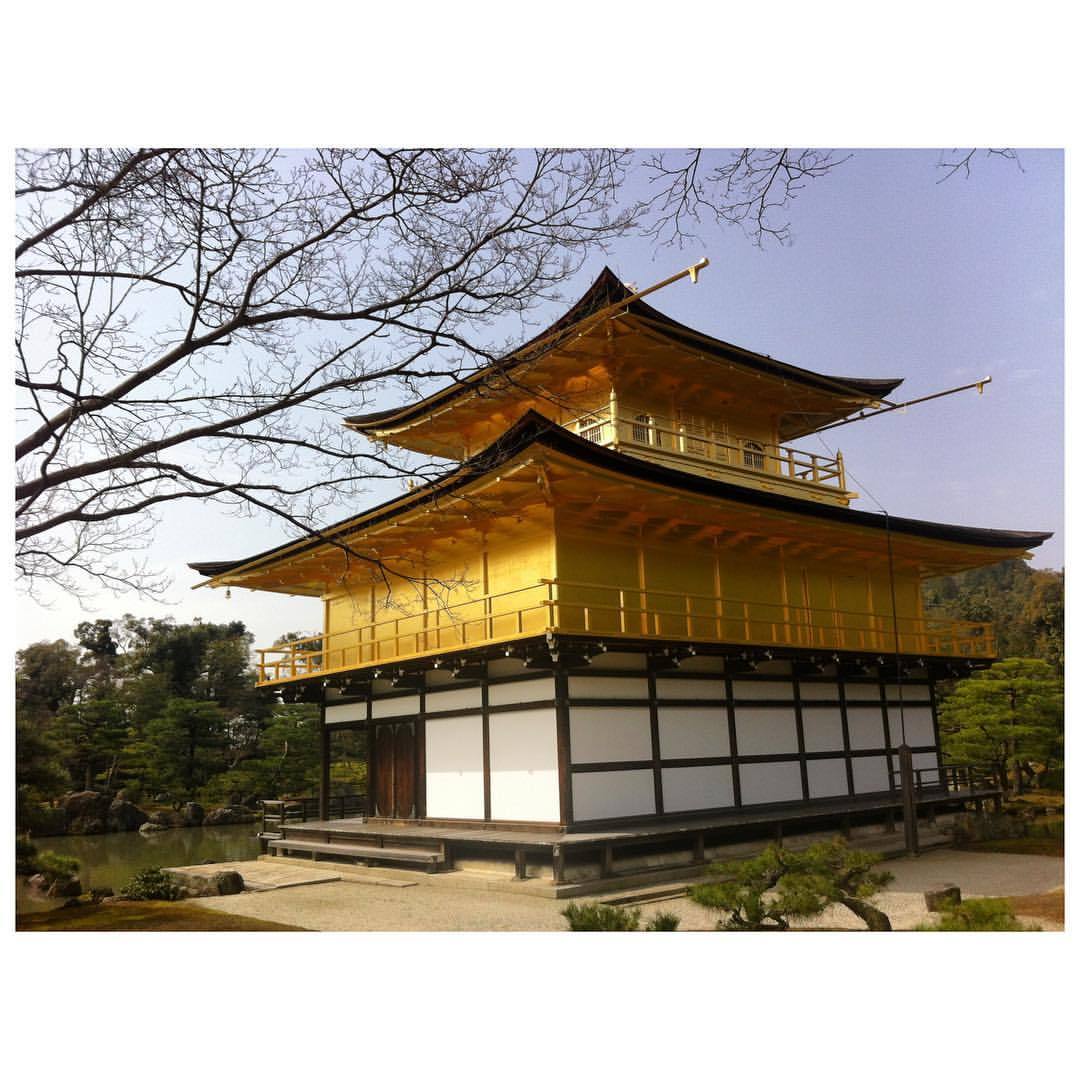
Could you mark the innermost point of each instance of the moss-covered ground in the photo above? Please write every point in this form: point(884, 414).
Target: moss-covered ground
point(142, 915)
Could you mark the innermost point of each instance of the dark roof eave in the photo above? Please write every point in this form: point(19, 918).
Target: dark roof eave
point(607, 289)
point(534, 429)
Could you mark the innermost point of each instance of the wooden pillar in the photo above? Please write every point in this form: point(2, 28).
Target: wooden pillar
point(907, 794)
point(699, 848)
point(324, 767)
point(607, 861)
point(558, 864)
point(562, 742)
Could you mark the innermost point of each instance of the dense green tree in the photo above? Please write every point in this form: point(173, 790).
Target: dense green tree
point(282, 761)
point(90, 736)
point(39, 774)
point(181, 749)
point(101, 654)
point(1006, 717)
point(48, 675)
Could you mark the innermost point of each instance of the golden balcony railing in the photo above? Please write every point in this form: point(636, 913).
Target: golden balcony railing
point(700, 442)
point(610, 612)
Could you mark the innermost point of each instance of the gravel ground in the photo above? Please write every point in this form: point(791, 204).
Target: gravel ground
point(355, 905)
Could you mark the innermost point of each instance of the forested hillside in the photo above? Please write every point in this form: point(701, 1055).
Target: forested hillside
point(1026, 606)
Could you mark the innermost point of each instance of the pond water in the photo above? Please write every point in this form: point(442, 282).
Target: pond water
point(110, 860)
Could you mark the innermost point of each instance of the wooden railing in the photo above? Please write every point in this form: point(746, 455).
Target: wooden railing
point(604, 609)
point(279, 812)
point(703, 443)
point(611, 612)
point(483, 619)
point(952, 778)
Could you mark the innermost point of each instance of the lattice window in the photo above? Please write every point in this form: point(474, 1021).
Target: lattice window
point(591, 429)
point(694, 431)
point(753, 454)
point(644, 430)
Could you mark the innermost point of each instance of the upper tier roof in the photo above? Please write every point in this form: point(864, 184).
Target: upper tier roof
point(843, 394)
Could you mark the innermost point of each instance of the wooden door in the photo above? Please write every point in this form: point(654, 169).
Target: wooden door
point(404, 771)
point(384, 770)
point(395, 770)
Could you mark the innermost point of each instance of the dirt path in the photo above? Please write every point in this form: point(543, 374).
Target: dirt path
point(355, 905)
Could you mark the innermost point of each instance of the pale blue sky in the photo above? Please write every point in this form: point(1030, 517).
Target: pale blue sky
point(890, 273)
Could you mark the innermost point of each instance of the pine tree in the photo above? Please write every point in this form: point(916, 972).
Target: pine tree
point(1004, 717)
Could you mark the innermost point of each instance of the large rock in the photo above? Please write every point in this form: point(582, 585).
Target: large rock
point(125, 816)
point(193, 813)
point(54, 887)
point(86, 812)
point(167, 819)
point(148, 828)
point(229, 815)
point(219, 883)
point(942, 897)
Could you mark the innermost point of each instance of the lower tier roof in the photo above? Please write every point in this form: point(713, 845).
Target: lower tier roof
point(535, 432)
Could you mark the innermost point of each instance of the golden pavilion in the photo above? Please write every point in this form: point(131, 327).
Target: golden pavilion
point(632, 613)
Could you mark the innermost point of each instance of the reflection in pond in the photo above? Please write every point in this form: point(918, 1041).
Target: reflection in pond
point(112, 859)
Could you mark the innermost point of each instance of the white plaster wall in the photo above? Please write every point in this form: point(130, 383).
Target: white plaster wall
point(691, 689)
point(919, 721)
point(912, 692)
point(342, 714)
point(524, 765)
point(402, 706)
point(870, 774)
point(778, 781)
point(766, 731)
point(862, 691)
point(609, 733)
point(436, 677)
point(819, 691)
point(697, 787)
point(465, 697)
point(758, 691)
point(826, 777)
point(598, 686)
point(613, 794)
point(505, 665)
point(823, 729)
point(454, 764)
point(617, 661)
point(702, 663)
point(865, 729)
point(514, 693)
point(693, 732)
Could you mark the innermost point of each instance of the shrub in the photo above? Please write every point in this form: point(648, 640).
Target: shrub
point(982, 913)
point(56, 867)
point(151, 884)
point(663, 920)
point(25, 858)
point(600, 917)
point(1053, 780)
point(767, 891)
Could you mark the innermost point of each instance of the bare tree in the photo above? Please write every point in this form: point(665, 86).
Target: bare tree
point(191, 324)
point(747, 190)
point(752, 189)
